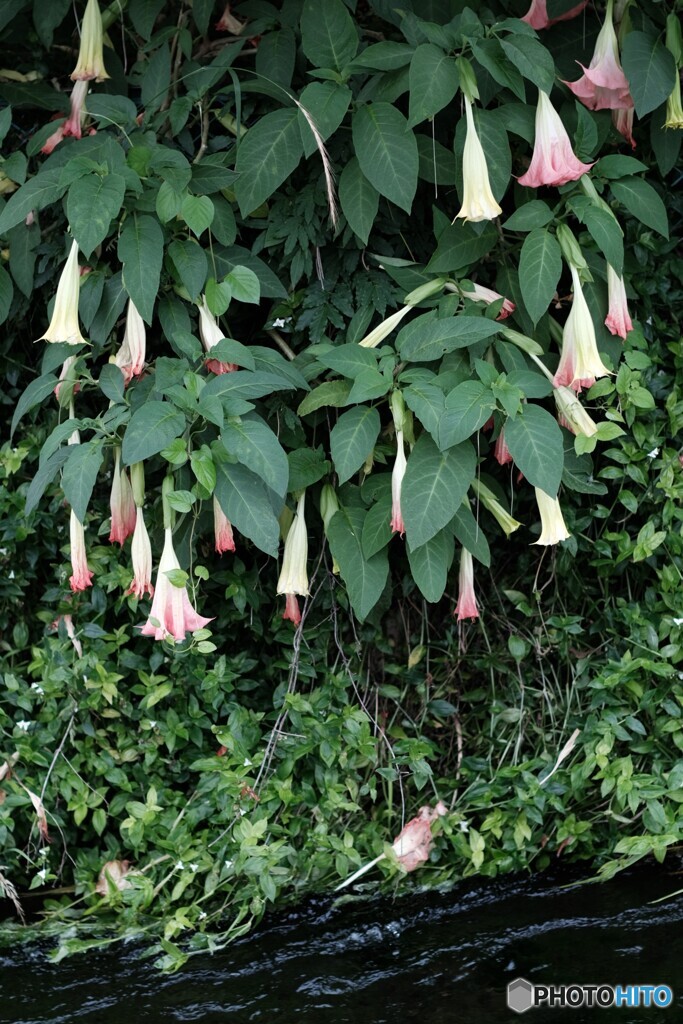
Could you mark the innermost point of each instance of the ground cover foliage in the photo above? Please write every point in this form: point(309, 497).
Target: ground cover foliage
point(259, 758)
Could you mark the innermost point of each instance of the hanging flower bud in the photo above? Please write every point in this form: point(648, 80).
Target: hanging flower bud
point(328, 506)
point(398, 472)
point(53, 140)
point(572, 414)
point(211, 334)
point(419, 294)
point(618, 320)
point(478, 202)
point(553, 161)
point(490, 502)
point(130, 358)
point(553, 528)
point(229, 23)
point(81, 577)
point(67, 385)
point(222, 528)
point(64, 322)
point(537, 15)
point(580, 361)
point(623, 122)
point(501, 452)
point(481, 294)
point(466, 608)
point(292, 612)
point(603, 85)
point(674, 107)
point(90, 57)
point(123, 518)
point(141, 553)
point(293, 576)
point(172, 609)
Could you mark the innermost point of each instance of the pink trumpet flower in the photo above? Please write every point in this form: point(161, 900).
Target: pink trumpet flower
point(481, 294)
point(603, 85)
point(292, 612)
point(130, 358)
point(580, 361)
point(90, 56)
point(553, 161)
point(618, 320)
point(171, 607)
point(501, 452)
point(123, 517)
point(537, 15)
point(141, 551)
point(211, 334)
point(229, 23)
point(53, 140)
point(222, 528)
point(398, 472)
point(414, 842)
point(81, 577)
point(74, 123)
point(623, 122)
point(466, 607)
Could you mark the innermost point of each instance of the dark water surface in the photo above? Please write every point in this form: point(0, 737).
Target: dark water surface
point(435, 958)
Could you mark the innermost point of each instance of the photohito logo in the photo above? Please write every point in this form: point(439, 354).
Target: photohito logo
point(523, 995)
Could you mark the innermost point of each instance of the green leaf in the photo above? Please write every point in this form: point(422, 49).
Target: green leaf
point(608, 236)
point(650, 69)
point(276, 56)
point(490, 54)
point(267, 155)
point(617, 166)
point(181, 501)
point(386, 151)
point(210, 176)
point(152, 427)
point(306, 467)
point(352, 439)
point(535, 443)
point(230, 351)
point(365, 578)
point(327, 103)
point(470, 534)
point(224, 226)
point(47, 471)
point(328, 34)
point(204, 468)
point(80, 474)
point(427, 338)
point(377, 527)
point(197, 212)
point(110, 309)
point(189, 260)
point(255, 445)
point(36, 392)
point(6, 294)
point(468, 406)
point(244, 499)
point(586, 135)
point(540, 266)
point(532, 60)
point(460, 245)
point(156, 79)
point(387, 56)
point(111, 383)
point(218, 296)
point(535, 214)
point(434, 81)
point(430, 563)
point(244, 284)
point(332, 393)
point(41, 191)
point(141, 251)
point(244, 384)
point(23, 241)
point(359, 199)
point(428, 403)
point(349, 360)
point(433, 487)
point(643, 202)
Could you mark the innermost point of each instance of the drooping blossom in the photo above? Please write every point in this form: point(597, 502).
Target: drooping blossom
point(419, 294)
point(553, 161)
point(623, 122)
point(329, 505)
point(466, 608)
point(580, 361)
point(488, 499)
point(64, 323)
point(222, 528)
point(414, 842)
point(571, 414)
point(553, 528)
point(618, 320)
point(211, 334)
point(74, 123)
point(537, 15)
point(293, 575)
point(603, 85)
point(501, 452)
point(480, 293)
point(674, 106)
point(171, 606)
point(81, 577)
point(130, 358)
point(397, 474)
point(53, 140)
point(478, 202)
point(121, 504)
point(70, 632)
point(141, 553)
point(90, 57)
point(229, 23)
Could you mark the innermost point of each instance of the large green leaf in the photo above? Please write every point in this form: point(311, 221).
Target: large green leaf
point(6, 294)
point(491, 56)
point(80, 474)
point(349, 360)
point(244, 499)
point(427, 402)
point(267, 155)
point(535, 443)
point(460, 245)
point(365, 578)
point(468, 406)
point(152, 427)
point(470, 534)
point(386, 151)
point(352, 439)
point(245, 385)
point(359, 199)
point(47, 471)
point(327, 103)
point(430, 563)
point(434, 81)
point(328, 34)
point(377, 527)
point(433, 487)
point(427, 338)
point(141, 251)
point(41, 191)
point(643, 202)
point(531, 59)
point(36, 392)
point(650, 69)
point(333, 393)
point(189, 260)
point(606, 233)
point(540, 266)
point(255, 445)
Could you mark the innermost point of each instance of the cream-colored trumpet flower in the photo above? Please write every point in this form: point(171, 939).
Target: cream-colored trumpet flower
point(90, 57)
point(293, 579)
point(64, 322)
point(553, 529)
point(478, 202)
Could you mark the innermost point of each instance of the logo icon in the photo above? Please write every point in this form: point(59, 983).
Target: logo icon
point(520, 995)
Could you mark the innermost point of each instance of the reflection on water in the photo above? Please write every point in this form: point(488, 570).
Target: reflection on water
point(441, 958)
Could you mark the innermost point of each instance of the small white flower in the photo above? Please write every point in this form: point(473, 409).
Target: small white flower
point(11, 574)
point(464, 826)
point(180, 866)
point(229, 864)
point(23, 724)
point(42, 874)
point(152, 723)
point(202, 915)
point(678, 622)
point(653, 454)
point(194, 867)
point(38, 688)
point(281, 321)
point(246, 763)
